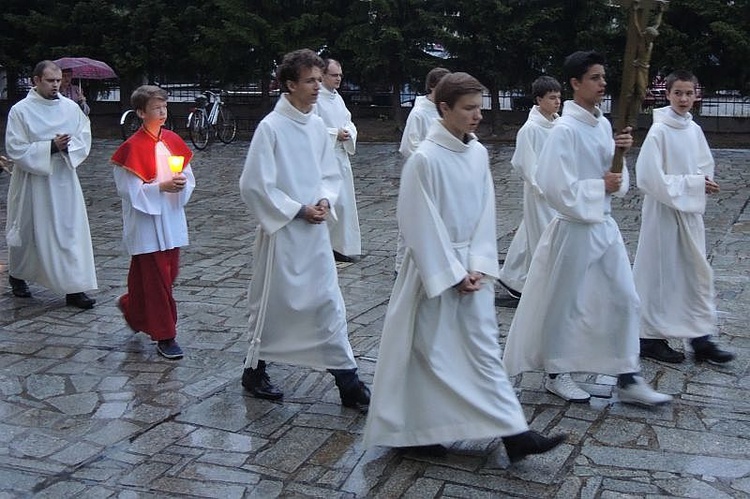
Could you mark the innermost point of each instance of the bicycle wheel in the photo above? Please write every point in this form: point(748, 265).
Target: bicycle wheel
point(198, 129)
point(129, 124)
point(169, 124)
point(226, 125)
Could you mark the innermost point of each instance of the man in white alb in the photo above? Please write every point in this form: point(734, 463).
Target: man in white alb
point(346, 237)
point(49, 241)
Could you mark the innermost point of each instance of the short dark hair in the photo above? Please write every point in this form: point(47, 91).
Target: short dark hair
point(141, 95)
point(41, 66)
point(577, 63)
point(434, 77)
point(544, 85)
point(453, 86)
point(292, 64)
point(679, 75)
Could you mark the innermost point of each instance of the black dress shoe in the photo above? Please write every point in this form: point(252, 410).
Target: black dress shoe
point(529, 442)
point(357, 397)
point(79, 300)
point(343, 258)
point(660, 350)
point(257, 382)
point(19, 287)
point(705, 350)
point(512, 292)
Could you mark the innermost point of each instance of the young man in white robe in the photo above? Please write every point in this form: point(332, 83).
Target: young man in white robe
point(49, 241)
point(675, 171)
point(421, 118)
point(439, 377)
point(579, 311)
point(346, 237)
point(290, 183)
point(537, 213)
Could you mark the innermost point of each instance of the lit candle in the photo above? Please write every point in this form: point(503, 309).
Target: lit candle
point(175, 163)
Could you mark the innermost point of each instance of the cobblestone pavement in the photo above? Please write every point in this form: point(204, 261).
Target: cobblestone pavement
point(88, 409)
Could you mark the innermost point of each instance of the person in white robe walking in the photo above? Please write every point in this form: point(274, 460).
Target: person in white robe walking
point(47, 137)
point(675, 171)
point(537, 213)
point(290, 182)
point(346, 236)
point(439, 377)
point(579, 311)
point(418, 124)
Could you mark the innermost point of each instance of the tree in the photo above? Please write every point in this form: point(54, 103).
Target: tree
point(387, 40)
point(710, 38)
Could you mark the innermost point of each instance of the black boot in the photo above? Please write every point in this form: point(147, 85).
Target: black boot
point(660, 350)
point(79, 300)
point(353, 392)
point(257, 382)
point(529, 442)
point(706, 350)
point(19, 287)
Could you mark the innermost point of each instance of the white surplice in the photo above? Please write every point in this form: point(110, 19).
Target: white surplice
point(579, 311)
point(153, 220)
point(439, 377)
point(418, 123)
point(421, 118)
point(297, 312)
point(537, 213)
point(346, 237)
point(672, 275)
point(45, 199)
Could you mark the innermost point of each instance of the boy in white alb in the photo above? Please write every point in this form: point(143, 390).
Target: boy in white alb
point(675, 171)
point(153, 218)
point(439, 377)
point(580, 311)
point(291, 182)
point(536, 211)
point(418, 124)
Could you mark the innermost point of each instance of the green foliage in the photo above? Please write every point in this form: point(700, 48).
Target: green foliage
point(381, 43)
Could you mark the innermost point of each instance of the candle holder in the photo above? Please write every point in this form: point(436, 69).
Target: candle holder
point(176, 163)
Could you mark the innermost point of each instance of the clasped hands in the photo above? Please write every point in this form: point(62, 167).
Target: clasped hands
point(470, 283)
point(315, 214)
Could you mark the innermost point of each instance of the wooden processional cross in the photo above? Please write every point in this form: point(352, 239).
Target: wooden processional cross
point(644, 19)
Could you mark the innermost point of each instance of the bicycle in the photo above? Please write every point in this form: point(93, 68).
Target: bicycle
point(204, 122)
point(130, 123)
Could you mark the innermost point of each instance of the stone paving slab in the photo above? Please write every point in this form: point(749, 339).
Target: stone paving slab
point(88, 409)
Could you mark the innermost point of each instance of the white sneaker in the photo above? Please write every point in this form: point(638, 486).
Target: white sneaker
point(642, 394)
point(564, 387)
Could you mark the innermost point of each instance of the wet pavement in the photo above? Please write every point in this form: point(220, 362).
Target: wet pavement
point(88, 408)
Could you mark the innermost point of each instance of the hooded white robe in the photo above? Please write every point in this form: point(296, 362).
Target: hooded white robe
point(537, 213)
point(418, 123)
point(672, 275)
point(45, 199)
point(297, 313)
point(439, 377)
point(346, 237)
point(579, 311)
point(421, 118)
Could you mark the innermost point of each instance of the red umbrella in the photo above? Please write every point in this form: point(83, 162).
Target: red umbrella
point(85, 68)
